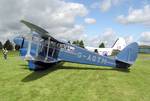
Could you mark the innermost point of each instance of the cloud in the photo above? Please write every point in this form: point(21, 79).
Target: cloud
point(7, 36)
point(145, 38)
point(56, 16)
point(108, 37)
point(105, 5)
point(129, 39)
point(74, 33)
point(89, 21)
point(136, 16)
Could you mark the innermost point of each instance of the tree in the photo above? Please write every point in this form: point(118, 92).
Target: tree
point(81, 44)
point(1, 45)
point(76, 42)
point(8, 45)
point(102, 45)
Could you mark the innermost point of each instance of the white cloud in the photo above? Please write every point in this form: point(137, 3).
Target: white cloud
point(145, 38)
point(141, 16)
point(108, 37)
point(89, 20)
point(105, 5)
point(7, 36)
point(56, 16)
point(129, 39)
point(74, 33)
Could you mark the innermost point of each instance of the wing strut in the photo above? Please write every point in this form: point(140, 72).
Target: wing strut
point(46, 58)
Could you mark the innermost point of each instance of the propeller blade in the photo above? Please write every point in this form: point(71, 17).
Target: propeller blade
point(28, 55)
point(22, 42)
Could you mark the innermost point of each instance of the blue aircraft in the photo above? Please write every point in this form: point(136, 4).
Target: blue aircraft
point(41, 50)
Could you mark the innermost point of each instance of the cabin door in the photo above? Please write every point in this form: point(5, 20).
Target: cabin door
point(53, 51)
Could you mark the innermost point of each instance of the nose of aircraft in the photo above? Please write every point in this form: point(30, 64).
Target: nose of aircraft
point(18, 40)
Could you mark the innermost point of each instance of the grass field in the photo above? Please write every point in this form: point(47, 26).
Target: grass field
point(73, 82)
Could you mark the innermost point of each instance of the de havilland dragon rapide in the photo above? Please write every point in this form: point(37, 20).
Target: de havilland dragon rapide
point(41, 50)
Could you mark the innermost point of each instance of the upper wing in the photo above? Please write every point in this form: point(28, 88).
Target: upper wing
point(42, 32)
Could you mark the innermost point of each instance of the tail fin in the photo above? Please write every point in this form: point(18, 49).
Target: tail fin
point(127, 56)
point(119, 44)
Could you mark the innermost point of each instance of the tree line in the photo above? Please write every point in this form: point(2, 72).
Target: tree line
point(80, 43)
point(9, 45)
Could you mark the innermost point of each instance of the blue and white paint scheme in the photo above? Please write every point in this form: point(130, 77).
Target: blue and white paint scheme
point(42, 50)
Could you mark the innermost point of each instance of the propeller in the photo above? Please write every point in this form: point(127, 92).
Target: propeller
point(22, 42)
point(28, 56)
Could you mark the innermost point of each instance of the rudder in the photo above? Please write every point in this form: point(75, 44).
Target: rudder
point(127, 56)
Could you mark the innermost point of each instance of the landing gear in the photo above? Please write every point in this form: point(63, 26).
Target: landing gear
point(38, 65)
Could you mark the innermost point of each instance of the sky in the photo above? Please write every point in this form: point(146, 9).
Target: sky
point(93, 21)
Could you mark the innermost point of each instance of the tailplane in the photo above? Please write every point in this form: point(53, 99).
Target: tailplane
point(127, 56)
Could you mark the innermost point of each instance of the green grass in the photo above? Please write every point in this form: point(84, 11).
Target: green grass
point(73, 82)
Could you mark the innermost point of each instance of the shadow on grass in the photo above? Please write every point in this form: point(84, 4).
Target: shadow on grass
point(24, 66)
point(82, 68)
point(41, 73)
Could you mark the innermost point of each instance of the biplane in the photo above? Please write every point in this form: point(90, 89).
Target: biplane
point(41, 50)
